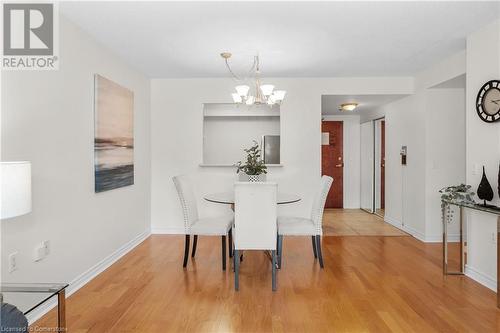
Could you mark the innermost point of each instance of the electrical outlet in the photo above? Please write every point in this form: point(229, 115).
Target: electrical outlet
point(46, 247)
point(12, 262)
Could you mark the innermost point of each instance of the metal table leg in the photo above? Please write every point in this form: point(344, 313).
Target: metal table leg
point(445, 243)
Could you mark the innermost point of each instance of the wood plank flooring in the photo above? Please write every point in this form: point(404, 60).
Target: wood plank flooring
point(356, 222)
point(369, 284)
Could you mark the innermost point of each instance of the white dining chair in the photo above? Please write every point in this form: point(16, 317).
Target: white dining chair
point(311, 226)
point(193, 225)
point(255, 215)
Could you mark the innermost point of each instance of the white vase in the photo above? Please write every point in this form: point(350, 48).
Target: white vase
point(252, 178)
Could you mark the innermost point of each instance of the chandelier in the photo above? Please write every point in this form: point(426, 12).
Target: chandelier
point(261, 93)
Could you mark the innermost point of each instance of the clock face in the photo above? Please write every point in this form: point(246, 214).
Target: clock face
point(488, 101)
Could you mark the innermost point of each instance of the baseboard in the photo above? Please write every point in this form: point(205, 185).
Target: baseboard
point(393, 222)
point(452, 238)
point(88, 275)
point(415, 233)
point(419, 235)
point(168, 231)
point(481, 278)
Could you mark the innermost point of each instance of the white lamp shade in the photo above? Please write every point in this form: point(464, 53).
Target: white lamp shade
point(15, 183)
point(267, 89)
point(242, 90)
point(271, 100)
point(250, 100)
point(236, 98)
point(279, 95)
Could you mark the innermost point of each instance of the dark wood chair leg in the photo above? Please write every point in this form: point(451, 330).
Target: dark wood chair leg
point(280, 250)
point(223, 253)
point(314, 247)
point(230, 245)
point(186, 251)
point(236, 271)
point(195, 242)
point(318, 249)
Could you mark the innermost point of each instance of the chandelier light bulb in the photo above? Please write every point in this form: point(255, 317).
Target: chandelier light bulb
point(242, 90)
point(271, 100)
point(267, 89)
point(236, 98)
point(279, 95)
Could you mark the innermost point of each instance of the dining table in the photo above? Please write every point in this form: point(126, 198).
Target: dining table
point(227, 198)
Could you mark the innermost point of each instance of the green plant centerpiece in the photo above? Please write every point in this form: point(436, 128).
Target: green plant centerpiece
point(254, 168)
point(458, 193)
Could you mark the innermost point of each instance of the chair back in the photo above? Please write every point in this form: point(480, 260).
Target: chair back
point(188, 201)
point(319, 202)
point(255, 215)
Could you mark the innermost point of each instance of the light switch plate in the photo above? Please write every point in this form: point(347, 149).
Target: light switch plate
point(46, 246)
point(39, 253)
point(476, 169)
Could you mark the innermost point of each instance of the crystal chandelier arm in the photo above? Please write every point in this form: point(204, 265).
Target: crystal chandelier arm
point(231, 71)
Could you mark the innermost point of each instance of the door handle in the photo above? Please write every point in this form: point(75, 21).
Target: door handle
point(339, 165)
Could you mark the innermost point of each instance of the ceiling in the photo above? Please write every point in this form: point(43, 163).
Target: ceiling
point(366, 103)
point(294, 39)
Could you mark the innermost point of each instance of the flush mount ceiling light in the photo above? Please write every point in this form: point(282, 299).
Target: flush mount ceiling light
point(348, 106)
point(260, 93)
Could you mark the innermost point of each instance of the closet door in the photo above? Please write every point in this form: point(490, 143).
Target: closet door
point(367, 155)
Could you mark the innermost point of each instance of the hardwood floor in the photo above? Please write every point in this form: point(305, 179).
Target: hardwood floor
point(369, 284)
point(356, 222)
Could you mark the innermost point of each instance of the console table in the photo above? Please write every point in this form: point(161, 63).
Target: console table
point(463, 247)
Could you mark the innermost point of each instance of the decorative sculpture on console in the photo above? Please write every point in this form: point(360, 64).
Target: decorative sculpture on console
point(484, 191)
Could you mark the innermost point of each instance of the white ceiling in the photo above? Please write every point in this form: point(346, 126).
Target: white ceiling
point(330, 103)
point(294, 39)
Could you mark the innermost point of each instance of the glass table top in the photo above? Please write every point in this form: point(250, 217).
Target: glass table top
point(489, 209)
point(28, 296)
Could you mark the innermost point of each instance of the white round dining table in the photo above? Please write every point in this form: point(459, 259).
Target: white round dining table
point(228, 198)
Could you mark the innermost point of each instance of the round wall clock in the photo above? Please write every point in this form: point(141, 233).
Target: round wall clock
point(488, 101)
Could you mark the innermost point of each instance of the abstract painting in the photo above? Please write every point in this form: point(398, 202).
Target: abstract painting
point(114, 135)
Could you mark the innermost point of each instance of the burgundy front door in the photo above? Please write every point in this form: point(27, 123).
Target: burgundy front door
point(332, 162)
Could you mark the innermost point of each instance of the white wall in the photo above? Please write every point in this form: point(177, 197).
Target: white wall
point(444, 154)
point(177, 122)
point(48, 119)
point(405, 185)
point(483, 148)
point(352, 163)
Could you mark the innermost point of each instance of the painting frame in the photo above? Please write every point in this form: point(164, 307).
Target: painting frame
point(113, 135)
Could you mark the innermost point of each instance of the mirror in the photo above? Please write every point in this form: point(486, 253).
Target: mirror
point(367, 172)
point(379, 165)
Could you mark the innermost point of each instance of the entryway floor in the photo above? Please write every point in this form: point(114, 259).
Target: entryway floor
point(356, 222)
